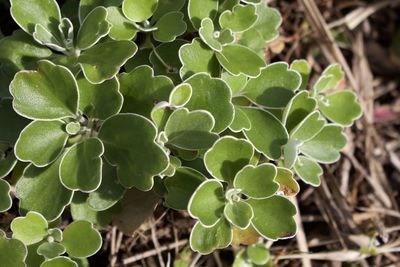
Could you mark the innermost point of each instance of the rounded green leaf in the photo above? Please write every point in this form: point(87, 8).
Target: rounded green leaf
point(308, 170)
point(302, 67)
point(207, 203)
point(59, 262)
point(239, 214)
point(169, 26)
point(45, 37)
point(200, 9)
point(121, 27)
point(236, 83)
point(287, 184)
point(129, 142)
point(73, 128)
point(85, 6)
point(49, 93)
point(309, 127)
point(227, 156)
point(30, 229)
point(139, 10)
point(298, 109)
point(93, 28)
point(41, 142)
point(258, 254)
point(329, 79)
point(257, 181)
point(5, 197)
point(239, 19)
point(180, 95)
point(208, 35)
point(51, 250)
point(240, 122)
point(12, 252)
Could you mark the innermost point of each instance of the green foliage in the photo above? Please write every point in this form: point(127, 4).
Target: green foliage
point(117, 106)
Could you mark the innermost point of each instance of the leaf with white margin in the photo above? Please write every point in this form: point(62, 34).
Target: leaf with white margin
point(257, 181)
point(121, 27)
point(247, 236)
point(258, 254)
point(169, 26)
point(329, 79)
point(213, 95)
point(227, 157)
point(180, 95)
point(238, 59)
point(274, 87)
point(240, 122)
point(302, 67)
point(200, 9)
point(99, 101)
point(81, 165)
point(85, 6)
point(55, 233)
point(166, 6)
point(41, 142)
point(326, 145)
point(209, 36)
point(241, 18)
point(160, 114)
point(30, 229)
point(287, 184)
point(267, 133)
point(44, 37)
point(139, 10)
point(299, 107)
point(341, 107)
point(239, 214)
point(190, 130)
point(251, 1)
point(129, 141)
point(94, 27)
point(197, 57)
point(40, 190)
point(181, 186)
point(103, 61)
point(28, 13)
point(59, 262)
point(236, 83)
point(142, 90)
point(5, 197)
point(309, 127)
point(274, 217)
point(12, 252)
point(81, 240)
point(50, 250)
point(49, 93)
point(308, 170)
point(207, 203)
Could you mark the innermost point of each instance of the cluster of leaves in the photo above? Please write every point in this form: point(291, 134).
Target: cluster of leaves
point(116, 105)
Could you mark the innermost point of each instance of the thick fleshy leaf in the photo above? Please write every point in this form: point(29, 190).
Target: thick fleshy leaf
point(197, 57)
point(240, 122)
point(273, 217)
point(51, 249)
point(5, 197)
point(258, 254)
point(236, 83)
point(267, 133)
point(129, 144)
point(121, 27)
point(59, 262)
point(257, 182)
point(30, 229)
point(207, 239)
point(287, 184)
point(308, 128)
point(329, 79)
point(200, 9)
point(80, 210)
point(341, 107)
point(181, 95)
point(139, 10)
point(12, 252)
point(81, 165)
point(213, 95)
point(86, 6)
point(239, 214)
point(15, 123)
point(302, 67)
point(228, 156)
point(308, 170)
point(93, 28)
point(274, 87)
point(298, 109)
point(190, 130)
point(169, 26)
point(325, 146)
point(238, 59)
point(181, 186)
point(103, 61)
point(40, 190)
point(142, 90)
point(81, 240)
point(239, 19)
point(41, 142)
point(209, 36)
point(207, 203)
point(49, 93)
point(45, 37)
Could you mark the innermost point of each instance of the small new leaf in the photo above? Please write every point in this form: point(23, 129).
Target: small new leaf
point(30, 229)
point(239, 214)
point(241, 18)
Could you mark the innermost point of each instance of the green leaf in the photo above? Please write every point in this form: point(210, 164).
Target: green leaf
point(238, 59)
point(59, 262)
point(30, 229)
point(49, 93)
point(51, 250)
point(81, 240)
point(73, 128)
point(121, 27)
point(40, 190)
point(45, 37)
point(7, 162)
point(166, 6)
point(93, 28)
point(197, 57)
point(341, 107)
point(302, 67)
point(298, 109)
point(309, 127)
point(160, 114)
point(200, 9)
point(239, 19)
point(31, 12)
point(209, 36)
point(236, 83)
point(14, 122)
point(329, 79)
point(142, 90)
point(258, 254)
point(181, 186)
point(227, 156)
point(81, 165)
point(238, 214)
point(85, 6)
point(325, 146)
point(273, 217)
point(5, 197)
point(129, 144)
point(213, 95)
point(267, 134)
point(12, 252)
point(274, 87)
point(180, 95)
point(207, 239)
point(190, 130)
point(33, 259)
point(207, 203)
point(41, 142)
point(290, 152)
point(257, 182)
point(308, 170)
point(240, 122)
point(103, 61)
point(169, 26)
point(139, 10)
